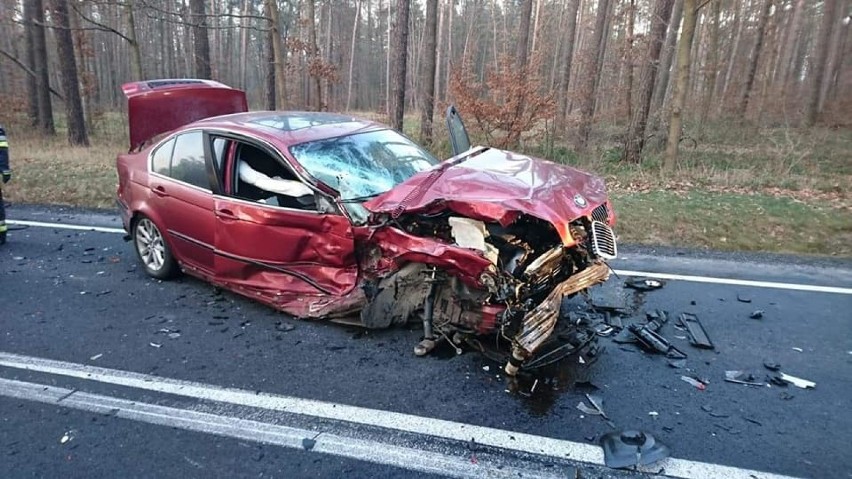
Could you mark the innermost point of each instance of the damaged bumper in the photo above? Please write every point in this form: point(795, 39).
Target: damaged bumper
point(539, 323)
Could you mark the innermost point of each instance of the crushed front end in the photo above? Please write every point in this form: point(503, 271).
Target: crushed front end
point(465, 278)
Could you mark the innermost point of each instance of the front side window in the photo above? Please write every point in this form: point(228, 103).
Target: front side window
point(188, 163)
point(161, 160)
point(363, 165)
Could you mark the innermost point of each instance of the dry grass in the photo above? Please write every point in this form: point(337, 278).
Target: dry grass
point(776, 190)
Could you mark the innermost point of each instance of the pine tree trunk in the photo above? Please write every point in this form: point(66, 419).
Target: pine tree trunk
point(136, 67)
point(29, 45)
point(277, 56)
point(77, 135)
point(667, 58)
point(638, 121)
point(711, 71)
point(754, 58)
point(352, 53)
point(829, 18)
point(201, 47)
point(568, 53)
point(400, 48)
point(522, 52)
point(589, 80)
point(684, 63)
point(45, 107)
point(427, 109)
point(314, 56)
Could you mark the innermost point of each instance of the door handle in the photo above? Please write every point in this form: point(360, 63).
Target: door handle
point(159, 190)
point(226, 214)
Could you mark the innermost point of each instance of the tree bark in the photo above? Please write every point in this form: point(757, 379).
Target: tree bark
point(29, 45)
point(829, 18)
point(352, 53)
point(638, 121)
point(662, 84)
point(785, 68)
point(45, 107)
point(400, 48)
point(565, 78)
point(136, 67)
point(77, 135)
point(711, 70)
point(684, 62)
point(427, 109)
point(754, 58)
point(319, 105)
point(522, 52)
point(589, 80)
point(201, 47)
point(277, 56)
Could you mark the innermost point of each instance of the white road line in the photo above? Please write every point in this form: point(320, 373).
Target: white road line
point(736, 282)
point(101, 229)
point(679, 277)
point(454, 463)
point(450, 430)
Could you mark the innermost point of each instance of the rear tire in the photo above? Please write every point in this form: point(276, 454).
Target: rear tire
point(152, 250)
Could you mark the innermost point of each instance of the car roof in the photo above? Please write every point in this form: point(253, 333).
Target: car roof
point(290, 127)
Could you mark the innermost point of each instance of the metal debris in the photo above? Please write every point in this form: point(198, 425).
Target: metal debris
point(697, 335)
point(798, 382)
point(742, 377)
point(632, 448)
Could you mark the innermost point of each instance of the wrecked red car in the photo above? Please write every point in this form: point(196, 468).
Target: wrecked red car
point(329, 216)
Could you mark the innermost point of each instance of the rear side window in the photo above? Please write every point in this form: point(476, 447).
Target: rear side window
point(162, 158)
point(188, 160)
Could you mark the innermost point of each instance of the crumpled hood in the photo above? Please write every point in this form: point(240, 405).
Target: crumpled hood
point(498, 186)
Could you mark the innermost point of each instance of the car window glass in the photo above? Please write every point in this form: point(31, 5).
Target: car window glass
point(162, 158)
point(220, 149)
point(364, 164)
point(188, 160)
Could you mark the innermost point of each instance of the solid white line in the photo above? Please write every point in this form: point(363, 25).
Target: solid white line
point(101, 229)
point(679, 277)
point(737, 282)
point(410, 458)
point(455, 431)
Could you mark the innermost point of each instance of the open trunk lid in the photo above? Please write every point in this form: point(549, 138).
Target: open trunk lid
point(159, 106)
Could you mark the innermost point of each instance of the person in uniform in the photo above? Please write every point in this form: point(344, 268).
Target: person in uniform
point(6, 172)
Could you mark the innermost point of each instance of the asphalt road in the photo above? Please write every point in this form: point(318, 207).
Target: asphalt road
point(79, 297)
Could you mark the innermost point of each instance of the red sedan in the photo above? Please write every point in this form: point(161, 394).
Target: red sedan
point(324, 215)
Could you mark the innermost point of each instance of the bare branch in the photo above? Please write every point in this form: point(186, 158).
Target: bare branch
point(27, 70)
point(101, 25)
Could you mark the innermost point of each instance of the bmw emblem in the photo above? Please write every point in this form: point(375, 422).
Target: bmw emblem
point(579, 200)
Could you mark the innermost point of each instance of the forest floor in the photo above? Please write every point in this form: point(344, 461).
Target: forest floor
point(777, 189)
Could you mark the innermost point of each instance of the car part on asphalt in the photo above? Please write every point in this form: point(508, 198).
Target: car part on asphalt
point(756, 314)
point(798, 382)
point(742, 377)
point(653, 342)
point(695, 382)
point(743, 298)
point(677, 363)
point(624, 449)
point(772, 366)
point(643, 284)
point(697, 335)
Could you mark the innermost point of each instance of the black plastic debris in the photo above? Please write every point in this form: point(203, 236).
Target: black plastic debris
point(772, 366)
point(643, 284)
point(743, 299)
point(632, 448)
point(697, 335)
point(653, 342)
point(742, 377)
point(756, 314)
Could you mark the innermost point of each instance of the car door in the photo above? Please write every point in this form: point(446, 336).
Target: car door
point(184, 199)
point(458, 133)
point(280, 254)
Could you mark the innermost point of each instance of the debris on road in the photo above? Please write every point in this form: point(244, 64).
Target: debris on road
point(756, 314)
point(709, 410)
point(697, 335)
point(597, 403)
point(308, 444)
point(632, 448)
point(772, 366)
point(798, 350)
point(67, 437)
point(95, 357)
point(284, 327)
point(155, 345)
point(677, 363)
point(742, 377)
point(697, 383)
point(743, 299)
point(798, 382)
point(654, 414)
point(651, 341)
point(643, 284)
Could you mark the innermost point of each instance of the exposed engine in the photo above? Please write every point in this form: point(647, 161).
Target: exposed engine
point(518, 298)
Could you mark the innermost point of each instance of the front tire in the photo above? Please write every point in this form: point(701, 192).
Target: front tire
point(152, 249)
